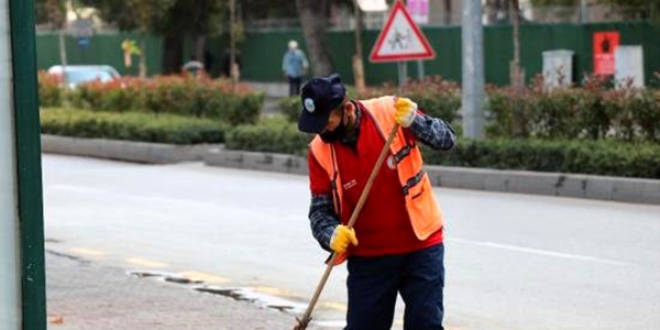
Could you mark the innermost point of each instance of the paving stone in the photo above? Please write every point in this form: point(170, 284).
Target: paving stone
point(86, 296)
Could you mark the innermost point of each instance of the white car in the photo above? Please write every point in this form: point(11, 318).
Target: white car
point(79, 74)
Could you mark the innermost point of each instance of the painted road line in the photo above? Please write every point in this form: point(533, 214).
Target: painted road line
point(539, 252)
point(329, 323)
point(342, 323)
point(88, 252)
point(275, 292)
point(204, 277)
point(146, 263)
point(335, 305)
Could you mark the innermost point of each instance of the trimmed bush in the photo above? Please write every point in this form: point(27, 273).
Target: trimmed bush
point(590, 111)
point(198, 97)
point(634, 112)
point(271, 134)
point(132, 126)
point(291, 108)
point(437, 97)
point(50, 91)
point(604, 157)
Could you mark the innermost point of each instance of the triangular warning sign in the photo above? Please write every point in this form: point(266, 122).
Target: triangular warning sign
point(401, 39)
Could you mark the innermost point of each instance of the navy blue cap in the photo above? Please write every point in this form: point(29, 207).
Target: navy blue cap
point(320, 96)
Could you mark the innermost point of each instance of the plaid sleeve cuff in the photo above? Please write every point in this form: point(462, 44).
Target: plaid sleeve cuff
point(433, 132)
point(323, 219)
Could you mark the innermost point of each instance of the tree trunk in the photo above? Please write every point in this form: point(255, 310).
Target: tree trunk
point(233, 70)
point(447, 20)
point(172, 53)
point(489, 10)
point(201, 23)
point(497, 11)
point(314, 23)
point(63, 57)
point(358, 65)
point(143, 55)
point(517, 76)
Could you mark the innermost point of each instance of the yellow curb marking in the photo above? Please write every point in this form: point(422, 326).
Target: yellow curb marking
point(400, 322)
point(204, 277)
point(56, 319)
point(146, 263)
point(334, 305)
point(88, 252)
point(273, 291)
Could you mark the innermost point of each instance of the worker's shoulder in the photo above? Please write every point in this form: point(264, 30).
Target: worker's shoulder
point(379, 104)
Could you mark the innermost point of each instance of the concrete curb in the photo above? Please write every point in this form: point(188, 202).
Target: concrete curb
point(643, 191)
point(139, 152)
point(256, 161)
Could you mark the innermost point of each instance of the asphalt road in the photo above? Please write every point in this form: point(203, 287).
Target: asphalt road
point(514, 262)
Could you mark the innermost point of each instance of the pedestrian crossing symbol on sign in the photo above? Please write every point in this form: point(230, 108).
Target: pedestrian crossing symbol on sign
point(401, 39)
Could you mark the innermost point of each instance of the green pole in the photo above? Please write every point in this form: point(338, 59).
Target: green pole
point(28, 164)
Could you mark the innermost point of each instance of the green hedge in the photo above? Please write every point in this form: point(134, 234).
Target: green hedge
point(133, 126)
point(271, 134)
point(291, 107)
point(50, 92)
point(198, 97)
point(593, 113)
point(603, 157)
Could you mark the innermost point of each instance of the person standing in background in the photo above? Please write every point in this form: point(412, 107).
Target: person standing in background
point(295, 67)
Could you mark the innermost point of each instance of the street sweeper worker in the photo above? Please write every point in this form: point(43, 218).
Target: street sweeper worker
point(396, 244)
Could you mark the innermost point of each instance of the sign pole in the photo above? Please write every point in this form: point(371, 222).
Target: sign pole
point(473, 97)
point(420, 70)
point(399, 67)
point(404, 67)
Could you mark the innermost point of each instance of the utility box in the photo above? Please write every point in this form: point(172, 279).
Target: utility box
point(629, 66)
point(557, 68)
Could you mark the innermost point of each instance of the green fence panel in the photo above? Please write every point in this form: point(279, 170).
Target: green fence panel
point(102, 49)
point(261, 52)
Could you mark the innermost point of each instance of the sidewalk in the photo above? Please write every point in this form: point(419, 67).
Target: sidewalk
point(85, 296)
point(274, 92)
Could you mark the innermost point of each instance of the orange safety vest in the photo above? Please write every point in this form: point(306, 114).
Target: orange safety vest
point(423, 210)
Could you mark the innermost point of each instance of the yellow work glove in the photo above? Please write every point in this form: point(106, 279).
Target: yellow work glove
point(406, 110)
point(341, 237)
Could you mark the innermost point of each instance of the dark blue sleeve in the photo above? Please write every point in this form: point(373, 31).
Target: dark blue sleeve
point(433, 132)
point(323, 219)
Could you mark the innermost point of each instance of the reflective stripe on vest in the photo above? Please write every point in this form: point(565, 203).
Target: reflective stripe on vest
point(423, 210)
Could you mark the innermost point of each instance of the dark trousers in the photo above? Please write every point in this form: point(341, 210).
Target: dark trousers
point(373, 284)
point(294, 85)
